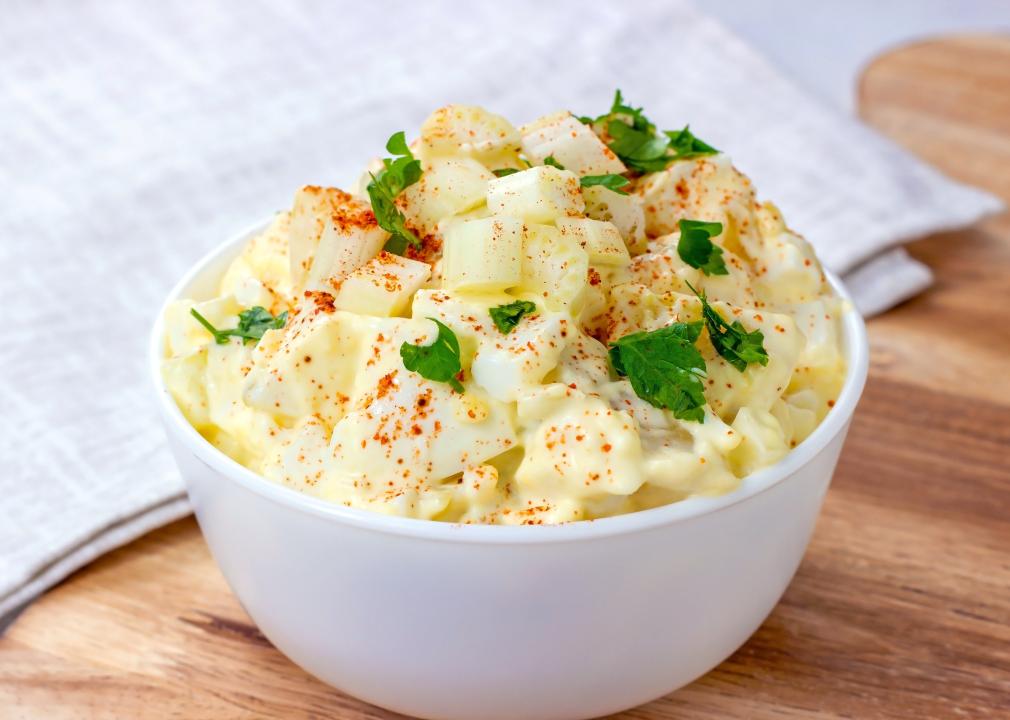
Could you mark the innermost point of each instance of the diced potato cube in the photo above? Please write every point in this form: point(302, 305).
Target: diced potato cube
point(704, 188)
point(793, 274)
point(296, 459)
point(483, 255)
point(250, 292)
point(469, 131)
point(818, 321)
point(770, 220)
point(624, 211)
point(266, 258)
point(332, 233)
point(557, 461)
point(185, 378)
point(225, 408)
point(601, 240)
point(571, 143)
point(448, 186)
point(382, 286)
point(184, 335)
point(797, 414)
point(759, 386)
point(540, 194)
point(309, 367)
point(762, 442)
point(555, 268)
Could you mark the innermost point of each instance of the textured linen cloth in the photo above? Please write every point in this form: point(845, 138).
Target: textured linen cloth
point(136, 136)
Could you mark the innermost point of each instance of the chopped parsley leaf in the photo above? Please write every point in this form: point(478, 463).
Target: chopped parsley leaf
point(610, 181)
point(252, 323)
point(696, 248)
point(507, 317)
point(664, 368)
point(397, 174)
point(439, 361)
point(732, 341)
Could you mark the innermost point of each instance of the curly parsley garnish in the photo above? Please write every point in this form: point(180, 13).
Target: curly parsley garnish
point(439, 361)
point(696, 248)
point(507, 317)
point(635, 141)
point(398, 174)
point(252, 323)
point(665, 368)
point(737, 346)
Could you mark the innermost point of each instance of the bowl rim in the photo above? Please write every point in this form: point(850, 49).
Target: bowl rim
point(834, 423)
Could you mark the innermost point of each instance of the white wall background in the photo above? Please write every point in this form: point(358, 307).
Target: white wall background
point(824, 45)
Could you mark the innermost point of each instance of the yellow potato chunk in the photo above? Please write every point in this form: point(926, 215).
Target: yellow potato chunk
point(540, 194)
point(483, 255)
point(448, 187)
point(183, 334)
point(383, 286)
point(573, 144)
point(332, 233)
point(705, 188)
point(762, 442)
point(601, 240)
point(469, 131)
point(624, 211)
point(555, 268)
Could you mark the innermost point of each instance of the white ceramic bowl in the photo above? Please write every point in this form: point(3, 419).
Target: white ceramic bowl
point(450, 621)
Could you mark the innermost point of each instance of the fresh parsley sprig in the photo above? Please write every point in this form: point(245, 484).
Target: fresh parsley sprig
point(635, 142)
point(732, 341)
point(696, 248)
point(686, 145)
point(632, 116)
point(610, 181)
point(502, 172)
point(252, 324)
point(439, 361)
point(397, 174)
point(638, 149)
point(665, 368)
point(507, 317)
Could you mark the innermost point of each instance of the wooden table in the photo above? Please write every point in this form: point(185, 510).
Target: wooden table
point(900, 609)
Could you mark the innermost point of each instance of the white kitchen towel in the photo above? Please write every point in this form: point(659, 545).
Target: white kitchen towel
point(136, 136)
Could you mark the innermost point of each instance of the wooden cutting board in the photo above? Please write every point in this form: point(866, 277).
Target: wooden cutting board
point(900, 609)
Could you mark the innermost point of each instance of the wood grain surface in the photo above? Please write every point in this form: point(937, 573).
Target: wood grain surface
point(901, 608)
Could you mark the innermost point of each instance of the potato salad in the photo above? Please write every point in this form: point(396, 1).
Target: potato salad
point(565, 320)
